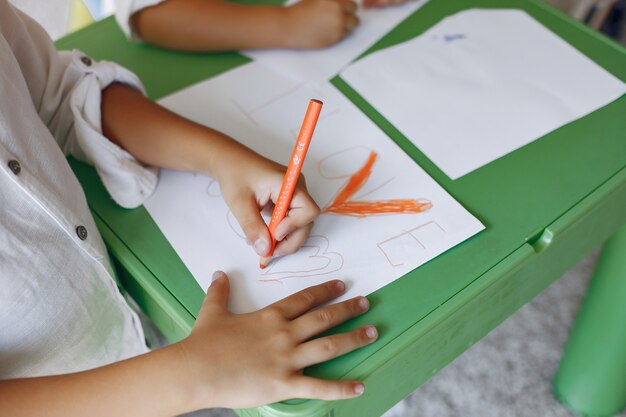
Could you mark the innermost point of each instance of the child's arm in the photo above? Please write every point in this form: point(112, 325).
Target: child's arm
point(248, 182)
point(269, 347)
point(229, 360)
point(211, 25)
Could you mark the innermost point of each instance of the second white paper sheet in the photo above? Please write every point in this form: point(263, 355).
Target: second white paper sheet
point(264, 111)
point(319, 65)
point(479, 85)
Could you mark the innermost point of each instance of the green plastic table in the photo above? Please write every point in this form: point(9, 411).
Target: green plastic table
point(544, 207)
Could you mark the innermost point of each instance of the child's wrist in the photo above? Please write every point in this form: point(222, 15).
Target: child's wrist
point(190, 391)
point(290, 23)
point(228, 158)
point(215, 154)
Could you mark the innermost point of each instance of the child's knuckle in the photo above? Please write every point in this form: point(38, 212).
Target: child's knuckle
point(283, 337)
point(307, 298)
point(331, 347)
point(315, 210)
point(271, 314)
point(326, 316)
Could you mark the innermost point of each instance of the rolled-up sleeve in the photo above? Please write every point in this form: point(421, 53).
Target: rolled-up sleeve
point(66, 90)
point(124, 11)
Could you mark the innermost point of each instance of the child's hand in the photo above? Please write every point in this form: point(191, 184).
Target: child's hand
point(246, 360)
point(373, 4)
point(249, 183)
point(320, 23)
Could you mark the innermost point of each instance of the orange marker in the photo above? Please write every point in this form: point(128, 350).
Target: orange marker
point(293, 172)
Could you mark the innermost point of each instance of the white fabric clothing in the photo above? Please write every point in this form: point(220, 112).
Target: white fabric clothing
point(60, 309)
point(124, 10)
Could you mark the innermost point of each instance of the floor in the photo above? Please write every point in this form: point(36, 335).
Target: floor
point(508, 373)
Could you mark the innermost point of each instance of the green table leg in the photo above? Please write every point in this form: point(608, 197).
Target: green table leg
point(591, 379)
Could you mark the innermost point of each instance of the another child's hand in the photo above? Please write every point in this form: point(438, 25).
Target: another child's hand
point(246, 360)
point(249, 183)
point(320, 23)
point(374, 4)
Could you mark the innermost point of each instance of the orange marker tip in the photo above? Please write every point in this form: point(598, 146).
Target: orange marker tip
point(264, 261)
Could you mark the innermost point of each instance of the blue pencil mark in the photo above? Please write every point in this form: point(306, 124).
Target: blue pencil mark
point(454, 37)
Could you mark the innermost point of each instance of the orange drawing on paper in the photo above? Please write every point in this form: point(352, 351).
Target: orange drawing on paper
point(342, 205)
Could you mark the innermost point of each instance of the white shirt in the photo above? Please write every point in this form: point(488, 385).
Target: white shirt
point(124, 10)
point(60, 310)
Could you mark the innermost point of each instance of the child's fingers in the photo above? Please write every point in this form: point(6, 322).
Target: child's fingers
point(329, 347)
point(299, 303)
point(367, 4)
point(319, 389)
point(295, 220)
point(246, 211)
point(293, 241)
point(350, 22)
point(348, 6)
point(302, 211)
point(318, 321)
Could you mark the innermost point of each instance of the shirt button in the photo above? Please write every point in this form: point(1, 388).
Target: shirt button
point(81, 231)
point(86, 60)
point(14, 166)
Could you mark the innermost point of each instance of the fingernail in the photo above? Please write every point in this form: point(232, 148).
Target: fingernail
point(359, 389)
point(217, 275)
point(260, 246)
point(340, 286)
point(364, 303)
point(371, 332)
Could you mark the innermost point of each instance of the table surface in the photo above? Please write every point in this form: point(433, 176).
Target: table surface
point(516, 197)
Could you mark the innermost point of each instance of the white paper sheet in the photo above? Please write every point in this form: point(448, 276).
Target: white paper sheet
point(322, 64)
point(264, 111)
point(479, 85)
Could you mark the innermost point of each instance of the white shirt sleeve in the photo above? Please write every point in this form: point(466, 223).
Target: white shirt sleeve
point(124, 10)
point(66, 89)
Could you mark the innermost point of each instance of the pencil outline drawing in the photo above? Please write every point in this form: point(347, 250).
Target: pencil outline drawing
point(249, 113)
point(409, 233)
point(321, 242)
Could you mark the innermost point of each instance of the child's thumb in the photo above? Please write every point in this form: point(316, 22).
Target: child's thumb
point(217, 294)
